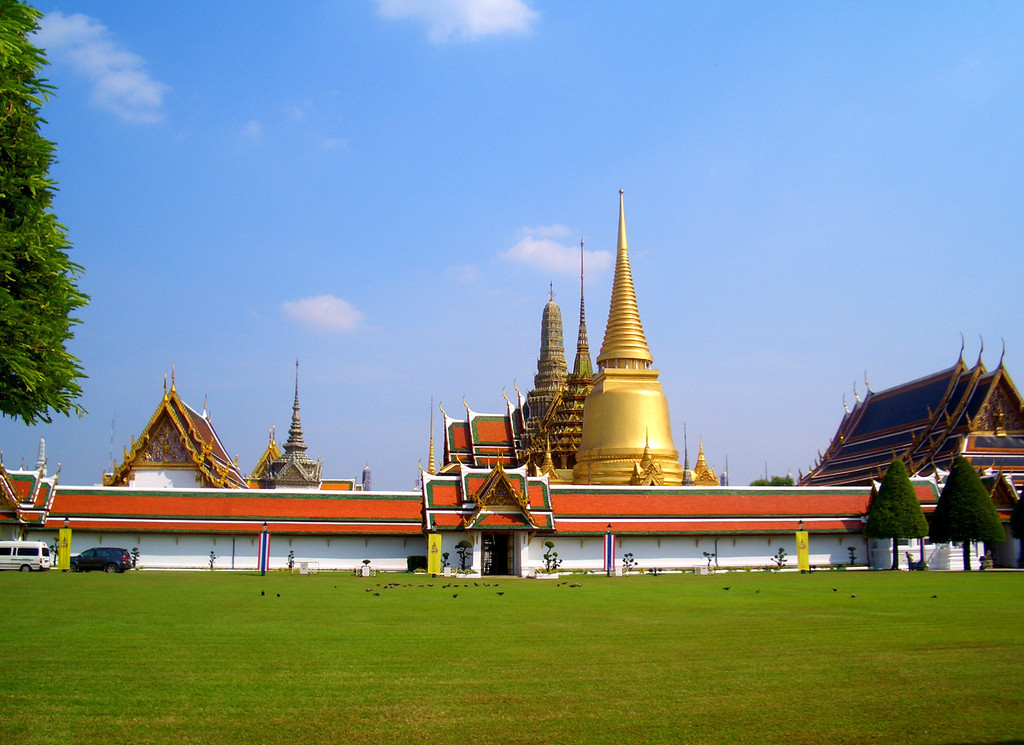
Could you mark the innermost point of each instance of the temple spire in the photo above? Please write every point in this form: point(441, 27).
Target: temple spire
point(581, 366)
point(430, 466)
point(295, 442)
point(625, 345)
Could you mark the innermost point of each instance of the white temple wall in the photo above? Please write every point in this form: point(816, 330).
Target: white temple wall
point(686, 552)
point(581, 553)
point(167, 478)
point(192, 551)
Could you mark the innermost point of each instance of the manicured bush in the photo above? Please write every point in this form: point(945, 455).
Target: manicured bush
point(965, 512)
point(895, 511)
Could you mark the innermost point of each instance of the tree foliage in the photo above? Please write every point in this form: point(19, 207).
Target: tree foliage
point(895, 511)
point(774, 481)
point(38, 289)
point(965, 512)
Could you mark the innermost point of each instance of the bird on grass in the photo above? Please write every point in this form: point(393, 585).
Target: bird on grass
point(377, 594)
point(934, 596)
point(835, 589)
point(279, 594)
point(455, 594)
point(853, 596)
point(501, 593)
point(262, 593)
point(725, 588)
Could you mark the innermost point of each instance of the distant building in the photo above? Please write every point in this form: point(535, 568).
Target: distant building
point(961, 410)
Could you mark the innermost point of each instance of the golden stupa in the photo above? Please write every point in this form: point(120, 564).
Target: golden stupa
point(627, 437)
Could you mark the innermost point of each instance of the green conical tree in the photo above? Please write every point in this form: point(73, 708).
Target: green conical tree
point(895, 511)
point(965, 511)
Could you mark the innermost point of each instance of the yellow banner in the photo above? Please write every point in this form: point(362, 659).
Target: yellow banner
point(64, 549)
point(803, 551)
point(433, 553)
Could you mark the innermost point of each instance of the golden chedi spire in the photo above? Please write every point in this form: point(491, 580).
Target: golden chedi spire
point(624, 342)
point(625, 417)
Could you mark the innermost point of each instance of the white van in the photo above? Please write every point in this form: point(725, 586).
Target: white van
point(26, 556)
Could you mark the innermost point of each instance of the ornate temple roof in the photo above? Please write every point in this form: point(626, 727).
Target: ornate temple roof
point(178, 438)
point(551, 365)
point(483, 440)
point(26, 496)
point(294, 468)
point(926, 423)
point(556, 438)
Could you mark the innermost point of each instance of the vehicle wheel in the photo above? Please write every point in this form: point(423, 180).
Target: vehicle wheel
point(110, 569)
point(26, 568)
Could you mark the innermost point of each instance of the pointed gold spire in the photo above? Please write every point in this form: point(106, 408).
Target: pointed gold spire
point(624, 342)
point(430, 464)
point(625, 415)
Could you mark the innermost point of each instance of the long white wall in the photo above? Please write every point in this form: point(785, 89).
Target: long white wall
point(389, 553)
point(192, 551)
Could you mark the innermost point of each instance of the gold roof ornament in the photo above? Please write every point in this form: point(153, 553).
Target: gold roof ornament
point(430, 463)
point(624, 342)
point(626, 410)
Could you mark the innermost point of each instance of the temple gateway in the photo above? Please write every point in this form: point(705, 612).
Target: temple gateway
point(585, 462)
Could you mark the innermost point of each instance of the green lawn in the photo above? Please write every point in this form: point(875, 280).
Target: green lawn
point(859, 657)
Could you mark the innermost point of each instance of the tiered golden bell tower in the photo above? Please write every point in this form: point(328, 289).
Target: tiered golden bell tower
point(627, 436)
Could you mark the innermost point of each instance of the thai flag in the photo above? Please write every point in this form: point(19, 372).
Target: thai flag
point(609, 552)
point(264, 559)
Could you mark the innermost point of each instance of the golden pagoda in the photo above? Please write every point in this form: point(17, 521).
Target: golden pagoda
point(626, 428)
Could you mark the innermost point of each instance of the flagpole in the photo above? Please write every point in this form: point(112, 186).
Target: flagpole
point(264, 558)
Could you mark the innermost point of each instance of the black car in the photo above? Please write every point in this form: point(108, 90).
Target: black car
point(110, 560)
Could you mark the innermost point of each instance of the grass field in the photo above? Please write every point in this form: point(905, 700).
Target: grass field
point(204, 657)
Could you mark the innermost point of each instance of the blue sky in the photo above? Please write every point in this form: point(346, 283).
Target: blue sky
point(385, 189)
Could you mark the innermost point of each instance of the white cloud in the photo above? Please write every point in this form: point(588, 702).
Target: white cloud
point(537, 248)
point(324, 312)
point(466, 273)
point(464, 19)
point(253, 131)
point(120, 82)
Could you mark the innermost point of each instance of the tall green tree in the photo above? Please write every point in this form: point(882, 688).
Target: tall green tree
point(38, 282)
point(895, 512)
point(965, 512)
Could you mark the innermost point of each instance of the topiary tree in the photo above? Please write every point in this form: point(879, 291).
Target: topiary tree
point(463, 549)
point(895, 512)
point(965, 512)
point(38, 290)
point(1017, 527)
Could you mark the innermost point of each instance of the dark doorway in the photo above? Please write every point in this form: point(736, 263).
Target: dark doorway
point(496, 553)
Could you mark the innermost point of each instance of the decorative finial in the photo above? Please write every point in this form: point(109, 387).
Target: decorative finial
point(165, 385)
point(844, 404)
point(867, 385)
point(172, 378)
point(980, 351)
point(1003, 353)
point(430, 466)
point(855, 394)
point(551, 291)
